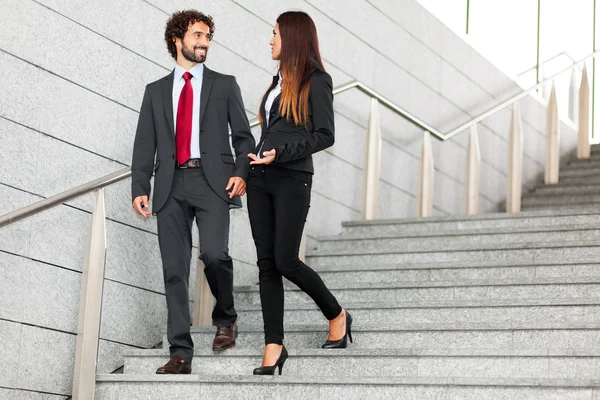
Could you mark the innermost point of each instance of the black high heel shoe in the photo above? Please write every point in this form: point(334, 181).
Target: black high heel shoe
point(271, 370)
point(343, 342)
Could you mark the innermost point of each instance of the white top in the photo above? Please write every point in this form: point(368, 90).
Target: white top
point(178, 83)
point(271, 98)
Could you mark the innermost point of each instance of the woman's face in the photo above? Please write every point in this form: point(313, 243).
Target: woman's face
point(275, 43)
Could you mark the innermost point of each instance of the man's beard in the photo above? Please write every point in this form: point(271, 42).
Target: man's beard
point(191, 55)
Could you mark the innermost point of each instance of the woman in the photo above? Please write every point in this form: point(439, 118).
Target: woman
point(296, 116)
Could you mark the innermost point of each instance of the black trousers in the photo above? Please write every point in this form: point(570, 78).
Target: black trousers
point(278, 203)
point(191, 196)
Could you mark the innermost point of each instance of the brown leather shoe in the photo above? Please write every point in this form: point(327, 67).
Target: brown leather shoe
point(175, 365)
point(225, 337)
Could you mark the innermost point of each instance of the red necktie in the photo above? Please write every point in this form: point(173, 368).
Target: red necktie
point(183, 130)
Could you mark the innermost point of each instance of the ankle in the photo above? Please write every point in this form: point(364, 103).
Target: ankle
point(273, 346)
point(341, 317)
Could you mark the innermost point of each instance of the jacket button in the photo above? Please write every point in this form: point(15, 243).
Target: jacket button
point(173, 156)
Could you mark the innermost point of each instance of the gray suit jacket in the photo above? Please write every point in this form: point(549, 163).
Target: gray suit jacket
point(220, 105)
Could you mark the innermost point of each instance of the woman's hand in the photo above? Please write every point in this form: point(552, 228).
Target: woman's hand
point(268, 157)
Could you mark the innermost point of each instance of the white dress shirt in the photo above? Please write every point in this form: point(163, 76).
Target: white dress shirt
point(271, 98)
point(178, 83)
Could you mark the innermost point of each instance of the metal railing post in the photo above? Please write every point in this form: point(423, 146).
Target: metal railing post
point(372, 169)
point(90, 305)
point(583, 137)
point(204, 301)
point(472, 178)
point(515, 162)
point(552, 140)
point(425, 198)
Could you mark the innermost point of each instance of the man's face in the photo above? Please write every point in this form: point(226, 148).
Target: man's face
point(195, 43)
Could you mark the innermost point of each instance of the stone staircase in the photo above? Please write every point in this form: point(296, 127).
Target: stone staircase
point(579, 187)
point(495, 306)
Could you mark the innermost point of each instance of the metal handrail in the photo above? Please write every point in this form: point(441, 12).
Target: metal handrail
point(60, 198)
point(467, 125)
point(114, 177)
point(554, 57)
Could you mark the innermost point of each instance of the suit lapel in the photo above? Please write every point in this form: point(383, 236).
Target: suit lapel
point(167, 97)
point(207, 81)
point(261, 111)
point(275, 106)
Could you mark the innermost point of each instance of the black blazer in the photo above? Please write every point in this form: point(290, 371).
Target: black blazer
point(295, 144)
point(220, 105)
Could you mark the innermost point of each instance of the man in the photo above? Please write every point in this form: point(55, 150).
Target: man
point(184, 123)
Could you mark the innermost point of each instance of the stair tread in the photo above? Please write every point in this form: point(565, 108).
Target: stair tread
point(561, 205)
point(408, 352)
point(461, 303)
point(523, 245)
point(466, 233)
point(450, 284)
point(566, 185)
point(350, 380)
point(456, 265)
point(357, 326)
point(571, 197)
point(476, 217)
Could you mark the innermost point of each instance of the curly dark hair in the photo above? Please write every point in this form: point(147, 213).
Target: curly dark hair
point(179, 23)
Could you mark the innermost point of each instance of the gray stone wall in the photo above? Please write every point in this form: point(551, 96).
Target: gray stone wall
point(72, 75)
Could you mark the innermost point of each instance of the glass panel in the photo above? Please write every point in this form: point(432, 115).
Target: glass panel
point(505, 32)
point(566, 35)
point(566, 27)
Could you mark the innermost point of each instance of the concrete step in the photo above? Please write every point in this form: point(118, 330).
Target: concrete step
point(559, 200)
point(560, 207)
point(397, 335)
point(452, 272)
point(343, 387)
point(594, 155)
point(396, 292)
point(399, 231)
point(457, 224)
point(457, 311)
point(592, 171)
point(473, 241)
point(583, 163)
point(563, 189)
point(581, 180)
point(407, 362)
point(567, 252)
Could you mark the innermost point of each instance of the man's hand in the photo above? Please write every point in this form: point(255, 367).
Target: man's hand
point(237, 186)
point(140, 204)
point(268, 157)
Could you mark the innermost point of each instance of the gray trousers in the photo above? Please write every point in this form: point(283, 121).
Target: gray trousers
point(191, 196)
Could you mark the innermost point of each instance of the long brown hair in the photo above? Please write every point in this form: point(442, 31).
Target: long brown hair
point(299, 57)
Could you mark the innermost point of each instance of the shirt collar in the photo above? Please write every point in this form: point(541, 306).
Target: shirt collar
point(196, 72)
point(278, 77)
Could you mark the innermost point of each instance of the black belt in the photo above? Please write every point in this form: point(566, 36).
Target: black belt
point(191, 163)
